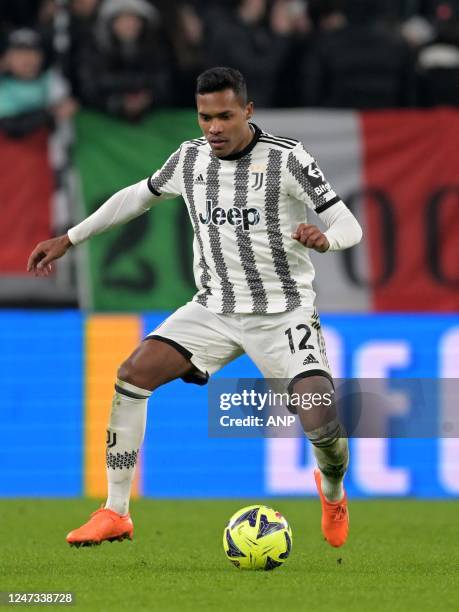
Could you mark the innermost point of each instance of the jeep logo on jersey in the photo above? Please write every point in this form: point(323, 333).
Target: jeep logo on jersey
point(244, 217)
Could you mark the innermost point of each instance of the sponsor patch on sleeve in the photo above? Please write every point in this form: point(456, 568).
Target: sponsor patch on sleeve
point(321, 193)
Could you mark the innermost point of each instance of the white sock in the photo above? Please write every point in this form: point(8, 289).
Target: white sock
point(332, 455)
point(125, 434)
point(332, 489)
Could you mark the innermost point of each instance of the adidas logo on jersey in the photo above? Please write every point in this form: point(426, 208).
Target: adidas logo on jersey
point(199, 180)
point(243, 217)
point(310, 359)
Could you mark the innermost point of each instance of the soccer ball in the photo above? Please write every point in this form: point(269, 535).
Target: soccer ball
point(257, 537)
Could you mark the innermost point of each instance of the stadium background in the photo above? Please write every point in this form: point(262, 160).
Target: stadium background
point(388, 308)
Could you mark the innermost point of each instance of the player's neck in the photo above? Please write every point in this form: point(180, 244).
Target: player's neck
point(249, 135)
point(246, 145)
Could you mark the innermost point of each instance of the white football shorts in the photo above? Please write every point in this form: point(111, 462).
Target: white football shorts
point(285, 345)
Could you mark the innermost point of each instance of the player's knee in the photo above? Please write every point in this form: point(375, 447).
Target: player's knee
point(126, 371)
point(131, 373)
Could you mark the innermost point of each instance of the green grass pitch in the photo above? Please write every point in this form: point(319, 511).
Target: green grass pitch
point(401, 555)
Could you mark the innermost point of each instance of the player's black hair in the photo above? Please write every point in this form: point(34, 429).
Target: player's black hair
point(221, 78)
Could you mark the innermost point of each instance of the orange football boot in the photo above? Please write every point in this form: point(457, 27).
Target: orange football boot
point(335, 516)
point(104, 524)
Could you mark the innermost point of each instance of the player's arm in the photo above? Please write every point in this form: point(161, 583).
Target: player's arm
point(123, 206)
point(307, 183)
point(343, 231)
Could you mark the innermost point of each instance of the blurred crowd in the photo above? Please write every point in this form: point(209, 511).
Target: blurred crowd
point(128, 57)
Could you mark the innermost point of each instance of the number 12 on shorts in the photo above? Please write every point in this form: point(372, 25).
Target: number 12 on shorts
point(303, 340)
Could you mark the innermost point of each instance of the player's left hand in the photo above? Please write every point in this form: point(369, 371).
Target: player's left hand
point(311, 236)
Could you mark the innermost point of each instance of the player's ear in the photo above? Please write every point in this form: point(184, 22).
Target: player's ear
point(249, 111)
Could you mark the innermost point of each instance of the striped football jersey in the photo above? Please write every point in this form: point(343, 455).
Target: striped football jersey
point(243, 209)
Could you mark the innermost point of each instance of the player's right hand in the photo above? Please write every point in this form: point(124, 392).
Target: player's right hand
point(45, 252)
point(310, 236)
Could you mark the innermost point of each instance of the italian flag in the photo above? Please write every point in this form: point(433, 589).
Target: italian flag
point(397, 171)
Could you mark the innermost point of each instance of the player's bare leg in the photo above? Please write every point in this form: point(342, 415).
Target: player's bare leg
point(151, 365)
point(323, 429)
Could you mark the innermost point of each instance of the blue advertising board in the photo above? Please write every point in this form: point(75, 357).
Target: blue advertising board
point(42, 415)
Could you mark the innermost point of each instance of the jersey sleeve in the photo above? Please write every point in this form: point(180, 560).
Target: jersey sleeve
point(343, 229)
point(307, 183)
point(166, 182)
point(121, 207)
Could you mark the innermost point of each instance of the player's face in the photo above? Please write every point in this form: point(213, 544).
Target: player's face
point(224, 121)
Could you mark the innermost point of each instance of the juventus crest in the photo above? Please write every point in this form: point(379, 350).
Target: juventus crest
point(258, 179)
point(111, 439)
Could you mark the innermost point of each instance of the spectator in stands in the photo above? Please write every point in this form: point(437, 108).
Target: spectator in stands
point(438, 67)
point(30, 95)
point(360, 64)
point(77, 21)
point(247, 39)
point(188, 40)
point(125, 69)
point(417, 31)
point(83, 17)
point(439, 10)
point(327, 15)
point(292, 17)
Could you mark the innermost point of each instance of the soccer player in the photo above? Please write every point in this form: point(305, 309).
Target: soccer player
point(247, 194)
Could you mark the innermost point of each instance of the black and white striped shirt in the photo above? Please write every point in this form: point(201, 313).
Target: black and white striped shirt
point(243, 209)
